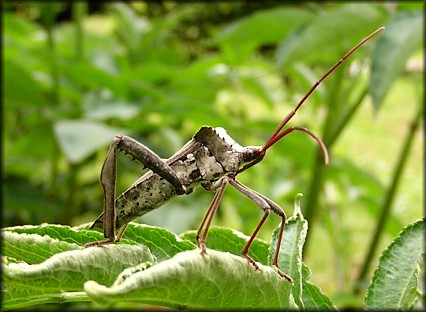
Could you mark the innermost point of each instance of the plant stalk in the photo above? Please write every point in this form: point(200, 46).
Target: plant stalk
point(48, 15)
point(317, 181)
point(389, 199)
point(79, 10)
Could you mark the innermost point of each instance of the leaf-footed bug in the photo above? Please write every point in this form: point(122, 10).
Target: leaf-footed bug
point(211, 159)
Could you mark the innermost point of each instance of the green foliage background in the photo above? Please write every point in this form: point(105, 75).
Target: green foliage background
point(76, 75)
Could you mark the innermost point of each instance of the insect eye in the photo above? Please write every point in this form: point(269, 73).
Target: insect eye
point(252, 154)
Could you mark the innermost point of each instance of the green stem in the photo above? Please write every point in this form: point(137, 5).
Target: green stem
point(79, 10)
point(71, 186)
point(389, 199)
point(51, 47)
point(48, 14)
point(336, 121)
point(317, 181)
point(346, 118)
point(314, 189)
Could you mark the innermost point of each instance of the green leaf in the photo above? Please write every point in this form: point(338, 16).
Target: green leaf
point(290, 260)
point(365, 183)
point(33, 207)
point(403, 36)
point(162, 243)
point(191, 280)
point(20, 89)
point(43, 264)
point(397, 277)
point(87, 75)
point(60, 278)
point(230, 240)
point(21, 296)
point(79, 138)
point(314, 299)
point(46, 244)
point(151, 72)
point(330, 34)
point(70, 269)
point(128, 273)
point(306, 295)
point(33, 248)
point(312, 296)
point(101, 109)
point(240, 38)
point(17, 30)
point(35, 244)
point(63, 233)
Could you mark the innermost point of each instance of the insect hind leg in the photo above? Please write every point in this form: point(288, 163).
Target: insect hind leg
point(108, 181)
point(149, 159)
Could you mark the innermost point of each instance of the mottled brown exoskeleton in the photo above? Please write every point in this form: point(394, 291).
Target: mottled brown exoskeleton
point(211, 159)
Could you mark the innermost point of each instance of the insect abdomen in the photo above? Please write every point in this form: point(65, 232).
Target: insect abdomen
point(146, 196)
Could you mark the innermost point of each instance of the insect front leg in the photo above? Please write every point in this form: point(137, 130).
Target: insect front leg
point(266, 204)
point(108, 180)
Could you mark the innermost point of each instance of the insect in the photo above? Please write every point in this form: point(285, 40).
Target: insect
point(211, 159)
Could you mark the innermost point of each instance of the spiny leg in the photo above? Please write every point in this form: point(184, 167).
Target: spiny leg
point(108, 180)
point(149, 159)
point(209, 215)
point(266, 204)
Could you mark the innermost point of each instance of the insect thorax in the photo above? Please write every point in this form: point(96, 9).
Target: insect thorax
point(229, 154)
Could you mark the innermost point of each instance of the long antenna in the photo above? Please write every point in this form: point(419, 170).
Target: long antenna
point(276, 136)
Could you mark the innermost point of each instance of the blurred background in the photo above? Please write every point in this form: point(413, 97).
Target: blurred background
point(75, 74)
